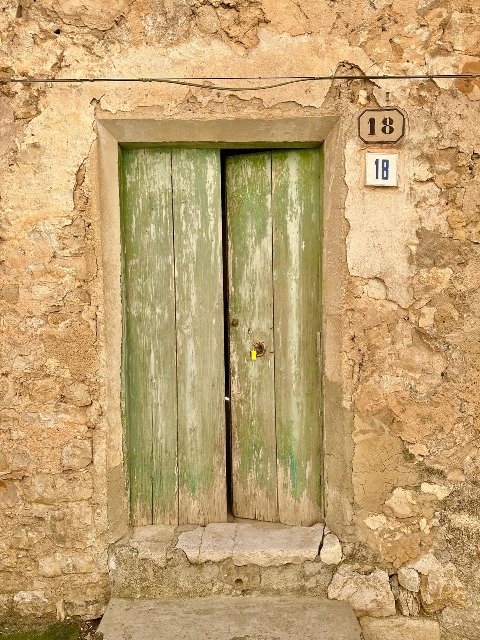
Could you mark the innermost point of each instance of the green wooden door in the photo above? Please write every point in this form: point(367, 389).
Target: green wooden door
point(274, 230)
point(173, 345)
point(173, 350)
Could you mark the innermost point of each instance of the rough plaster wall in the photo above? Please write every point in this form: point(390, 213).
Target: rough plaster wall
point(410, 299)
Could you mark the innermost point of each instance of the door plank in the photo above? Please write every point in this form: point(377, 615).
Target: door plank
point(196, 177)
point(296, 205)
point(149, 350)
point(248, 194)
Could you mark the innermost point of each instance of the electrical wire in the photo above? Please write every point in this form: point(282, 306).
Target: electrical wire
point(277, 81)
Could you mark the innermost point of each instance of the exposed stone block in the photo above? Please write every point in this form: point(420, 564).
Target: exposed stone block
point(64, 563)
point(207, 19)
point(89, 13)
point(408, 602)
point(409, 578)
point(31, 604)
point(439, 584)
point(402, 503)
point(442, 588)
point(153, 542)
point(71, 527)
point(8, 494)
point(400, 629)
point(77, 454)
point(76, 393)
point(265, 546)
point(438, 490)
point(331, 551)
point(55, 488)
point(369, 594)
point(276, 546)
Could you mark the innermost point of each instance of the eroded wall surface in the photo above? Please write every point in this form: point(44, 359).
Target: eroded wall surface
point(407, 373)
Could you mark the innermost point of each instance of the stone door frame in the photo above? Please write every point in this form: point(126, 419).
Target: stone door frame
point(227, 133)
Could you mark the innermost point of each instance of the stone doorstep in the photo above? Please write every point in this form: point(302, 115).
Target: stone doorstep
point(261, 544)
point(223, 618)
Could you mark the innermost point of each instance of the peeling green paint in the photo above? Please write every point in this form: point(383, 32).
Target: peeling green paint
point(274, 213)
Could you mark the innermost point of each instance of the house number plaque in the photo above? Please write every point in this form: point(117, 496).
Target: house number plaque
point(381, 169)
point(381, 125)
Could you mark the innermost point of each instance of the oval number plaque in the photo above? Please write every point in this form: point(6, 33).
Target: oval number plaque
point(381, 125)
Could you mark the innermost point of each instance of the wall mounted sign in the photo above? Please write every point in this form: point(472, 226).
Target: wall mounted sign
point(381, 125)
point(381, 169)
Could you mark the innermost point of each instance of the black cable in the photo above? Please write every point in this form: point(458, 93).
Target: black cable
point(280, 81)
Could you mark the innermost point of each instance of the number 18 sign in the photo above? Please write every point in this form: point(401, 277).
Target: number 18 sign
point(385, 126)
point(381, 169)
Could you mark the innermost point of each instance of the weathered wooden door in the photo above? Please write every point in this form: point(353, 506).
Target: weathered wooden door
point(173, 337)
point(274, 231)
point(173, 347)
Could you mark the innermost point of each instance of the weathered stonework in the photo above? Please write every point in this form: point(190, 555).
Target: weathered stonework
point(402, 271)
point(245, 544)
point(368, 593)
point(219, 559)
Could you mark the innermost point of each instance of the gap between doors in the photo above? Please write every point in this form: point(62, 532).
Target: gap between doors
point(224, 154)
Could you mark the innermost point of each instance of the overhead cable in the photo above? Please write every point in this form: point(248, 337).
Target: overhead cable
point(273, 81)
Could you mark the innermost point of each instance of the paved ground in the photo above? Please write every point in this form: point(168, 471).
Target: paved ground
point(223, 618)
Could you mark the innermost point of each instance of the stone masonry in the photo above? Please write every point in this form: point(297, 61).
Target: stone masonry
point(402, 491)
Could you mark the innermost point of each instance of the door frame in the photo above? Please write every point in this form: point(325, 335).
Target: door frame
point(308, 131)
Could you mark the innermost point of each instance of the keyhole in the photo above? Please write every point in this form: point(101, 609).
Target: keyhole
point(260, 348)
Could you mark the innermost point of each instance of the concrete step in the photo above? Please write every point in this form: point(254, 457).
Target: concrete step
point(220, 559)
point(222, 618)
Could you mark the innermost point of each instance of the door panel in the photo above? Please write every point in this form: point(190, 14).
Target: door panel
point(149, 349)
point(196, 179)
point(274, 228)
point(173, 363)
point(248, 195)
point(296, 206)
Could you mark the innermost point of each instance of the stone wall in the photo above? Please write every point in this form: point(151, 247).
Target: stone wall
point(409, 296)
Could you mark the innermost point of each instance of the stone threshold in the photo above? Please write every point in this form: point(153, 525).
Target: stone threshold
point(244, 543)
point(217, 618)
